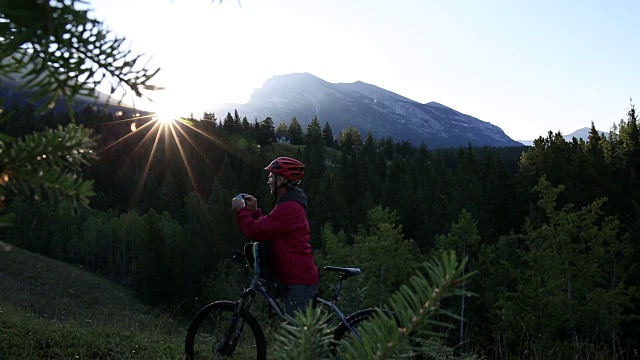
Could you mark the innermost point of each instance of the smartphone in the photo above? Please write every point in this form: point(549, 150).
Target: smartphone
point(241, 197)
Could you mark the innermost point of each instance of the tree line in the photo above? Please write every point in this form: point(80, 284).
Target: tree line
point(551, 229)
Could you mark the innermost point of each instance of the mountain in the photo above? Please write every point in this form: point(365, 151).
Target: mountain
point(582, 134)
point(578, 134)
point(368, 108)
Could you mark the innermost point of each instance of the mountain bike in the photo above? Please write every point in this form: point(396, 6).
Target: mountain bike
point(219, 330)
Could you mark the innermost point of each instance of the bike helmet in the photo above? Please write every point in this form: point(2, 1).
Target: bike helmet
point(290, 168)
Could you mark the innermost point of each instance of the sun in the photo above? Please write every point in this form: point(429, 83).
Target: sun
point(164, 118)
point(163, 126)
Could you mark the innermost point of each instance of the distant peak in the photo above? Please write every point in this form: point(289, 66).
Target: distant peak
point(292, 78)
point(362, 83)
point(433, 103)
point(304, 75)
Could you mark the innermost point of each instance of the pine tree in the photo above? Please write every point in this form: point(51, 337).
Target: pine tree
point(313, 157)
point(295, 132)
point(350, 138)
point(571, 290)
point(282, 129)
point(266, 132)
point(228, 124)
point(327, 135)
point(465, 241)
point(384, 255)
point(314, 133)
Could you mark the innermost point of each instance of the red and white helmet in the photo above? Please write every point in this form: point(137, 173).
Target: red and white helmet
point(290, 168)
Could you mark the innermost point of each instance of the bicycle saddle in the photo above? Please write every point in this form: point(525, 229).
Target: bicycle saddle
point(345, 271)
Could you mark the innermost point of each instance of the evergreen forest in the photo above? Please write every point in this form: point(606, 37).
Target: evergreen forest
point(552, 230)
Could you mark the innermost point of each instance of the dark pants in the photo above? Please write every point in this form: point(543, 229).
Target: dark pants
point(297, 297)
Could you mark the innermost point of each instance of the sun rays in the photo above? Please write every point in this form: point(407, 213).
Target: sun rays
point(161, 128)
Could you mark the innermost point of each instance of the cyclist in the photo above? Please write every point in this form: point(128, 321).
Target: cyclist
point(286, 230)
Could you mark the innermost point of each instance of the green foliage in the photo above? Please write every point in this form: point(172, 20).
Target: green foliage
point(416, 307)
point(381, 251)
point(57, 50)
point(464, 240)
point(350, 138)
point(47, 163)
point(227, 282)
point(314, 133)
point(314, 158)
point(335, 247)
point(327, 135)
point(338, 252)
point(572, 283)
point(463, 237)
point(158, 251)
point(266, 133)
point(295, 132)
point(309, 338)
point(282, 129)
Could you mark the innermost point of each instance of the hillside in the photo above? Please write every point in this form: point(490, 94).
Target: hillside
point(50, 309)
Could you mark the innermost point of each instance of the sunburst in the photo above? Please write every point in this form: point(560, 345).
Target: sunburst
point(170, 128)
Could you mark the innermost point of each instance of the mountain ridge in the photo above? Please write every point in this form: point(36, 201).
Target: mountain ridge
point(582, 133)
point(366, 107)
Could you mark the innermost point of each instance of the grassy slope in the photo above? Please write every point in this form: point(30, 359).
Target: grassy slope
point(49, 309)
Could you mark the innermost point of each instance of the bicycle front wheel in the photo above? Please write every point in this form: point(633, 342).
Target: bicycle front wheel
point(215, 333)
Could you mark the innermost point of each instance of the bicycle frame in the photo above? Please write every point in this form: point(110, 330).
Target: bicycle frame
point(241, 315)
point(257, 286)
point(249, 294)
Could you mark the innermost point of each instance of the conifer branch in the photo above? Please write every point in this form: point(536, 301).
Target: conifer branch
point(414, 314)
point(48, 163)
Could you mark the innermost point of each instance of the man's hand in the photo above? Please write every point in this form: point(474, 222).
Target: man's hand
point(249, 201)
point(252, 202)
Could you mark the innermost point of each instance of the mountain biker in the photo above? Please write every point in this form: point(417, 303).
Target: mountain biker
point(286, 229)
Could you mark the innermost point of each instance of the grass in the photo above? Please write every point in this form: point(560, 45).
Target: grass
point(53, 310)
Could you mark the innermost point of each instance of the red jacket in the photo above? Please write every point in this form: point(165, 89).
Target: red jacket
point(287, 229)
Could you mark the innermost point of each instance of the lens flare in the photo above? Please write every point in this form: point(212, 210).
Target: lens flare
point(156, 126)
point(164, 118)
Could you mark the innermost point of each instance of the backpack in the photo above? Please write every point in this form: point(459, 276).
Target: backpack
point(258, 258)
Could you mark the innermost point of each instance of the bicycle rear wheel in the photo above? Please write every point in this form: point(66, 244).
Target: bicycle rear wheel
point(215, 334)
point(359, 318)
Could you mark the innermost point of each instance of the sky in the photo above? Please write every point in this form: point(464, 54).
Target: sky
point(528, 67)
